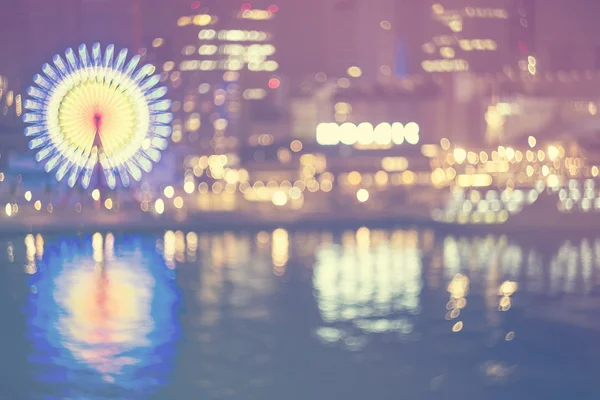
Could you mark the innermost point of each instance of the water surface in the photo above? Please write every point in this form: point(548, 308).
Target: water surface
point(397, 314)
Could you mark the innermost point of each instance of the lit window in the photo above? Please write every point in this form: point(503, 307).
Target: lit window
point(447, 52)
point(202, 19)
point(207, 34)
point(254, 94)
point(456, 25)
point(385, 70)
point(385, 25)
point(168, 66)
point(203, 88)
point(207, 49)
point(188, 50)
point(429, 48)
point(231, 76)
point(437, 8)
point(465, 45)
point(342, 107)
point(183, 21)
point(343, 83)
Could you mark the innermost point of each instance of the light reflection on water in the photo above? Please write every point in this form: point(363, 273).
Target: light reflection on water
point(280, 314)
point(101, 315)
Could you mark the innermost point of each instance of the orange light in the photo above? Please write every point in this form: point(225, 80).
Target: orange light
point(274, 83)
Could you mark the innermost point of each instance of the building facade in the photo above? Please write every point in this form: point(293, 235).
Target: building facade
point(462, 35)
point(218, 58)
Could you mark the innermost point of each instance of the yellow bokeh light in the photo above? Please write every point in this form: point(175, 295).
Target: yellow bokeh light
point(168, 66)
point(460, 155)
point(108, 203)
point(354, 72)
point(447, 52)
point(159, 206)
point(362, 195)
point(553, 153)
point(183, 21)
point(279, 198)
point(189, 187)
point(354, 178)
point(169, 192)
point(445, 143)
point(192, 124)
point(343, 83)
point(178, 202)
point(385, 25)
point(202, 19)
point(458, 326)
point(437, 8)
point(408, 177)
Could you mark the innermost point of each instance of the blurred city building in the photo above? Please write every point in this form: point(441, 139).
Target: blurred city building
point(218, 60)
point(287, 101)
point(11, 109)
point(334, 37)
point(565, 36)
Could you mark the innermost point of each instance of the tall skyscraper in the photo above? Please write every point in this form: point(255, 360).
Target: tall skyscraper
point(218, 59)
point(332, 36)
point(465, 35)
point(522, 27)
point(565, 36)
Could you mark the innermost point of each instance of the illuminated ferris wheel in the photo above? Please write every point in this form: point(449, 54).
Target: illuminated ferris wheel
point(92, 111)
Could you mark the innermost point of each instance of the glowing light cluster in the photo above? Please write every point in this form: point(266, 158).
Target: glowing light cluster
point(254, 94)
point(578, 196)
point(198, 20)
point(238, 56)
point(445, 65)
point(231, 64)
point(365, 134)
point(478, 44)
point(256, 15)
point(490, 207)
point(486, 13)
point(91, 110)
point(234, 35)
